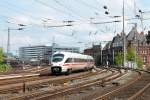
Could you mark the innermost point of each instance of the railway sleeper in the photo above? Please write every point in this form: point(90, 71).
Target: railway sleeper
point(12, 91)
point(116, 83)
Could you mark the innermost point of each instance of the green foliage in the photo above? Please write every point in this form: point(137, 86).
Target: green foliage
point(1, 55)
point(130, 54)
point(118, 59)
point(5, 68)
point(139, 62)
point(131, 57)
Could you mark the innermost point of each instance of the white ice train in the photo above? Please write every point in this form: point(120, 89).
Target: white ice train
point(66, 62)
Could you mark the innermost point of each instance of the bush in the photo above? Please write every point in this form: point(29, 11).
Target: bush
point(5, 68)
point(139, 62)
point(1, 55)
point(118, 59)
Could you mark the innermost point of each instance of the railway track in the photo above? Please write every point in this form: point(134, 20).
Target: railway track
point(132, 90)
point(45, 94)
point(39, 89)
point(36, 82)
point(26, 70)
point(142, 94)
point(24, 77)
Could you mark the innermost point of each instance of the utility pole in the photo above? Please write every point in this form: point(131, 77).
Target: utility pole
point(93, 49)
point(101, 55)
point(8, 44)
point(135, 46)
point(53, 44)
point(124, 39)
point(113, 56)
point(8, 40)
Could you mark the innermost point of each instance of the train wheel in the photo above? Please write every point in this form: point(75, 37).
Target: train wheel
point(91, 68)
point(85, 69)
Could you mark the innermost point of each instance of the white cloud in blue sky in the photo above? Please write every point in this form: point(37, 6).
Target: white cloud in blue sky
point(31, 13)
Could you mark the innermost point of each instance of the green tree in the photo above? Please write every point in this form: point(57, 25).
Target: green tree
point(131, 57)
point(130, 54)
point(118, 59)
point(1, 55)
point(3, 67)
point(139, 62)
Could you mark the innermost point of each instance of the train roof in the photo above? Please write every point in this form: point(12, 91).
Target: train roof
point(74, 55)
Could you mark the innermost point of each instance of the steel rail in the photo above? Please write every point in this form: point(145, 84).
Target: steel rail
point(140, 92)
point(103, 97)
point(45, 94)
point(31, 83)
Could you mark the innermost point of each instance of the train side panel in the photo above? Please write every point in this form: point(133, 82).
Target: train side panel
point(64, 62)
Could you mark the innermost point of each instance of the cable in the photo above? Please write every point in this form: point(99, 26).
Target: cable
point(98, 3)
point(69, 9)
point(17, 11)
point(20, 11)
point(6, 16)
point(26, 14)
point(54, 8)
point(88, 5)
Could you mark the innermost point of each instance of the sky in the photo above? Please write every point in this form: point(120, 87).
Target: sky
point(40, 17)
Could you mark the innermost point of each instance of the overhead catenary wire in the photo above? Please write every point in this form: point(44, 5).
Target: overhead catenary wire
point(69, 9)
point(55, 8)
point(18, 11)
point(30, 15)
point(63, 12)
point(56, 26)
point(89, 6)
point(97, 2)
point(12, 7)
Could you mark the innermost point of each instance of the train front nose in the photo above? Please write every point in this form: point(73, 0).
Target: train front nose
point(56, 69)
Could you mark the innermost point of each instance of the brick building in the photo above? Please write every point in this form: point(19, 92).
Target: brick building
point(139, 41)
point(96, 52)
point(88, 51)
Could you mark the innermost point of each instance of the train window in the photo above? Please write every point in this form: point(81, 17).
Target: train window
point(76, 60)
point(80, 60)
point(58, 57)
point(69, 60)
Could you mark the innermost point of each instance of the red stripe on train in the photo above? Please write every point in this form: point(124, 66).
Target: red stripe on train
point(77, 64)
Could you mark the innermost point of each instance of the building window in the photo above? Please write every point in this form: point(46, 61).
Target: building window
point(144, 59)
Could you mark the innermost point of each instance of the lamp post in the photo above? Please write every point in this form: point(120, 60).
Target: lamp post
point(8, 41)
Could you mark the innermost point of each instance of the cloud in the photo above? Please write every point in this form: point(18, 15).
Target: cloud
point(22, 19)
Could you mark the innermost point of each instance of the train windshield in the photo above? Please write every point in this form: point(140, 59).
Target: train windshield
point(58, 57)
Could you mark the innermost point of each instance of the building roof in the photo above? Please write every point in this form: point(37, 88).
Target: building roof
point(107, 46)
point(135, 36)
point(117, 40)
